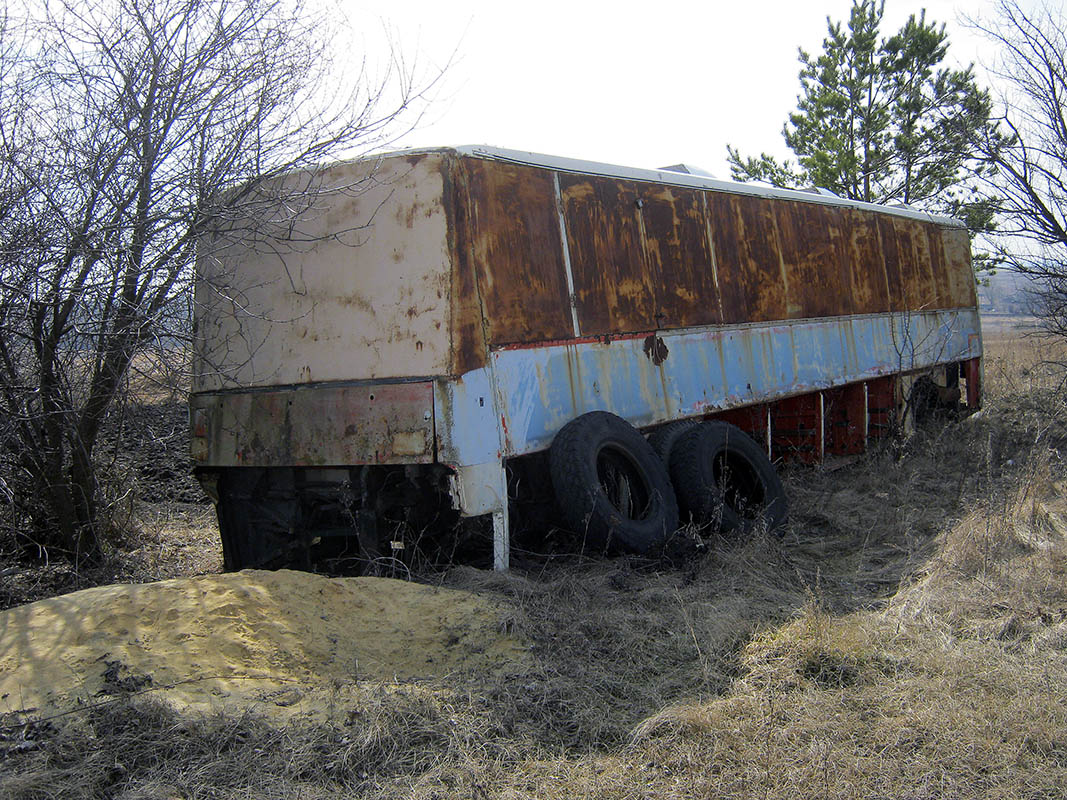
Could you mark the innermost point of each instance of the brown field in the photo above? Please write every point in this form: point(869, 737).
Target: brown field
point(906, 637)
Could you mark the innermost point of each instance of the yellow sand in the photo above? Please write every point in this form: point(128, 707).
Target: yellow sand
point(280, 639)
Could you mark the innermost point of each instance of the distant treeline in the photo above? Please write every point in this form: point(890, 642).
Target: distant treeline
point(1007, 293)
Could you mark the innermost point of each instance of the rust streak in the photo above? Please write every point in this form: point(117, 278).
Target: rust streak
point(518, 251)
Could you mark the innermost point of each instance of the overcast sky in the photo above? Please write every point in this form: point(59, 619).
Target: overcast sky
point(641, 85)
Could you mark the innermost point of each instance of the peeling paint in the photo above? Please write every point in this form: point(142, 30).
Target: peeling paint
point(462, 298)
point(655, 349)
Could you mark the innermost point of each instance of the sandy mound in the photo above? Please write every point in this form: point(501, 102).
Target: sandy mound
point(286, 639)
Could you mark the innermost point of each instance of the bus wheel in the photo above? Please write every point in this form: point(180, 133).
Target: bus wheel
point(724, 479)
point(663, 438)
point(610, 484)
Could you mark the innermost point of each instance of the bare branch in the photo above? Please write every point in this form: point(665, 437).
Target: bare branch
point(136, 137)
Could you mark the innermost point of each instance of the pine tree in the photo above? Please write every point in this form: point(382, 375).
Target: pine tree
point(883, 120)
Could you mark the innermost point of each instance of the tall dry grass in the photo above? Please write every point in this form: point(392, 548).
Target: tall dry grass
point(906, 637)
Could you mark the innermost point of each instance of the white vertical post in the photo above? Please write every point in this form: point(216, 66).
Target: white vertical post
point(501, 541)
point(501, 532)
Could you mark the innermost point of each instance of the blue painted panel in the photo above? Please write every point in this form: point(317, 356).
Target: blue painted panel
point(540, 389)
point(466, 419)
point(630, 386)
point(820, 357)
point(869, 337)
point(785, 355)
point(693, 373)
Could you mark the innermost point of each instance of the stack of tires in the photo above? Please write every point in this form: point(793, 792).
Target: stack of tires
point(626, 493)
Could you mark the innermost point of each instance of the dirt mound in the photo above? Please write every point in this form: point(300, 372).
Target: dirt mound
point(288, 640)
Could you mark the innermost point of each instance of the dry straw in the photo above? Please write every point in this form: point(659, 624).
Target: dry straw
point(905, 638)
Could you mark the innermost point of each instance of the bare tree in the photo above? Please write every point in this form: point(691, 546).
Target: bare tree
point(130, 129)
point(1028, 151)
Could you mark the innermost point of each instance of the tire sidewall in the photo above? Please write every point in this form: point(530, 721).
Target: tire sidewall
point(693, 474)
point(773, 510)
point(583, 502)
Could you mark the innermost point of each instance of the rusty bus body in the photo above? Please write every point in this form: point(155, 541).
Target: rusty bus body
point(465, 304)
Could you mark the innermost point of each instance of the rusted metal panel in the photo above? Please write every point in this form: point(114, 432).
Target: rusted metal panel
point(935, 252)
point(930, 293)
point(809, 238)
point(315, 426)
point(690, 179)
point(910, 278)
point(917, 282)
point(468, 349)
point(363, 294)
point(960, 276)
point(759, 259)
point(725, 236)
point(613, 290)
point(679, 258)
point(864, 262)
point(891, 261)
point(518, 252)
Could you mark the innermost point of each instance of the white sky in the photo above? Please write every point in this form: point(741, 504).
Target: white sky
point(641, 85)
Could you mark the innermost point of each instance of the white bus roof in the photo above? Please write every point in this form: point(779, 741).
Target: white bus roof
point(672, 178)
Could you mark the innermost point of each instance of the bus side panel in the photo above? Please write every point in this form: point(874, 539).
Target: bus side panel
point(677, 374)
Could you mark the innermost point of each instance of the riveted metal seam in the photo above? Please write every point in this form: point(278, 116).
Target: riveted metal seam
point(566, 255)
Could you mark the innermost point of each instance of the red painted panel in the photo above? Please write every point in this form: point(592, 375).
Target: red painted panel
point(881, 407)
point(751, 419)
point(796, 429)
point(844, 409)
point(972, 373)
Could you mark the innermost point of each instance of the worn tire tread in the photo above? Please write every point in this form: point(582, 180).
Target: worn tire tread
point(692, 473)
point(582, 502)
point(663, 438)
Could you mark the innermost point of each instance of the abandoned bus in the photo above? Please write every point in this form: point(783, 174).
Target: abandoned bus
point(653, 340)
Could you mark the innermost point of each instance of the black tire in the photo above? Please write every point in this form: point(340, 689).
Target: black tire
point(610, 484)
point(663, 438)
point(723, 478)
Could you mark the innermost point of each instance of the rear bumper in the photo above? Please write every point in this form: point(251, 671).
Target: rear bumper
point(324, 425)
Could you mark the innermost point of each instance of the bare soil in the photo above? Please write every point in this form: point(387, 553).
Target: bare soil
point(285, 642)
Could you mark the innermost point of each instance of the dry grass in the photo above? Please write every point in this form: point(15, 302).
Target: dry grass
point(1020, 362)
point(954, 689)
point(905, 638)
point(175, 540)
point(145, 750)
